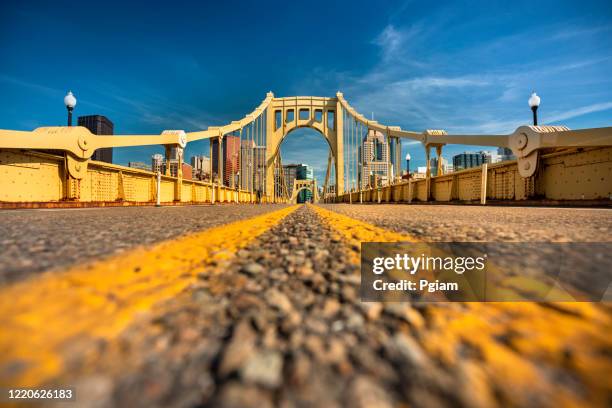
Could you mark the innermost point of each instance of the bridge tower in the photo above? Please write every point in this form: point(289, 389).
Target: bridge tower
point(321, 114)
point(299, 185)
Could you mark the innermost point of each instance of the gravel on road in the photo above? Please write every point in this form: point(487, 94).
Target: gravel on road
point(33, 241)
point(282, 324)
point(448, 223)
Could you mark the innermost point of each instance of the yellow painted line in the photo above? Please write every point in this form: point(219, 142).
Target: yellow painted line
point(539, 337)
point(41, 316)
point(354, 232)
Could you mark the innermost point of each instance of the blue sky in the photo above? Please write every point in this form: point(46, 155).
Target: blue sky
point(467, 67)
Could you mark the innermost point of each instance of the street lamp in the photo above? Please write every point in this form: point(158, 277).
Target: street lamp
point(408, 163)
point(534, 102)
point(70, 102)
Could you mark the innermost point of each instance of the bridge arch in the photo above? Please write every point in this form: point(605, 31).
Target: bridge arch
point(299, 185)
point(319, 113)
point(297, 193)
point(293, 129)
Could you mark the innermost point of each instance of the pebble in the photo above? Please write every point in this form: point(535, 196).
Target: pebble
point(364, 392)
point(263, 368)
point(253, 268)
point(239, 349)
point(283, 325)
point(279, 300)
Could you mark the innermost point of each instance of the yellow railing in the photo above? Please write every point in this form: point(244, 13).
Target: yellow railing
point(32, 179)
point(583, 175)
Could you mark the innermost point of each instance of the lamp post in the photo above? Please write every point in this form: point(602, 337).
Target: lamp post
point(408, 164)
point(70, 102)
point(534, 102)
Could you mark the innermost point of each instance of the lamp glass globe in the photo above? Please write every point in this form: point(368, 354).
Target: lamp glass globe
point(534, 100)
point(69, 100)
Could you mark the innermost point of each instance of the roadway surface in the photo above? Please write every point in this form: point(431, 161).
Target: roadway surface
point(448, 223)
point(278, 321)
point(32, 241)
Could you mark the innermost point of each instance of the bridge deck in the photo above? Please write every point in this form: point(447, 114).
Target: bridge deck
point(280, 321)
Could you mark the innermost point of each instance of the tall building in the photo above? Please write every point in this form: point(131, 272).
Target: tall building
point(492, 157)
point(230, 150)
point(466, 160)
point(375, 159)
point(99, 125)
point(505, 154)
point(174, 152)
point(187, 172)
point(200, 167)
point(299, 171)
point(433, 166)
point(247, 165)
point(290, 172)
point(305, 172)
point(157, 163)
point(252, 166)
point(259, 160)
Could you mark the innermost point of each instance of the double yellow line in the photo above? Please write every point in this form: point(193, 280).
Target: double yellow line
point(39, 316)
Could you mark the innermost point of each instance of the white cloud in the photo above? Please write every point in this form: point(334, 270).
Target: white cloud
point(572, 113)
point(473, 100)
point(397, 46)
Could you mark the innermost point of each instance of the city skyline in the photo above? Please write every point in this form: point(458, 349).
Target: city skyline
point(413, 65)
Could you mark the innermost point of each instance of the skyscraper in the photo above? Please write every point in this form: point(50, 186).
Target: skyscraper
point(259, 159)
point(375, 158)
point(466, 160)
point(299, 171)
point(247, 165)
point(290, 172)
point(305, 172)
point(505, 154)
point(201, 167)
point(433, 166)
point(157, 163)
point(99, 125)
point(230, 150)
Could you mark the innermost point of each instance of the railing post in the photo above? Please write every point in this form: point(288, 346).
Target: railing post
point(409, 191)
point(178, 186)
point(220, 166)
point(483, 184)
point(427, 174)
point(120, 187)
point(158, 193)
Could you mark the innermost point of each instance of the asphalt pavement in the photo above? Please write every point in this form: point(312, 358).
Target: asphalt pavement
point(280, 321)
point(33, 241)
point(448, 223)
point(282, 324)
